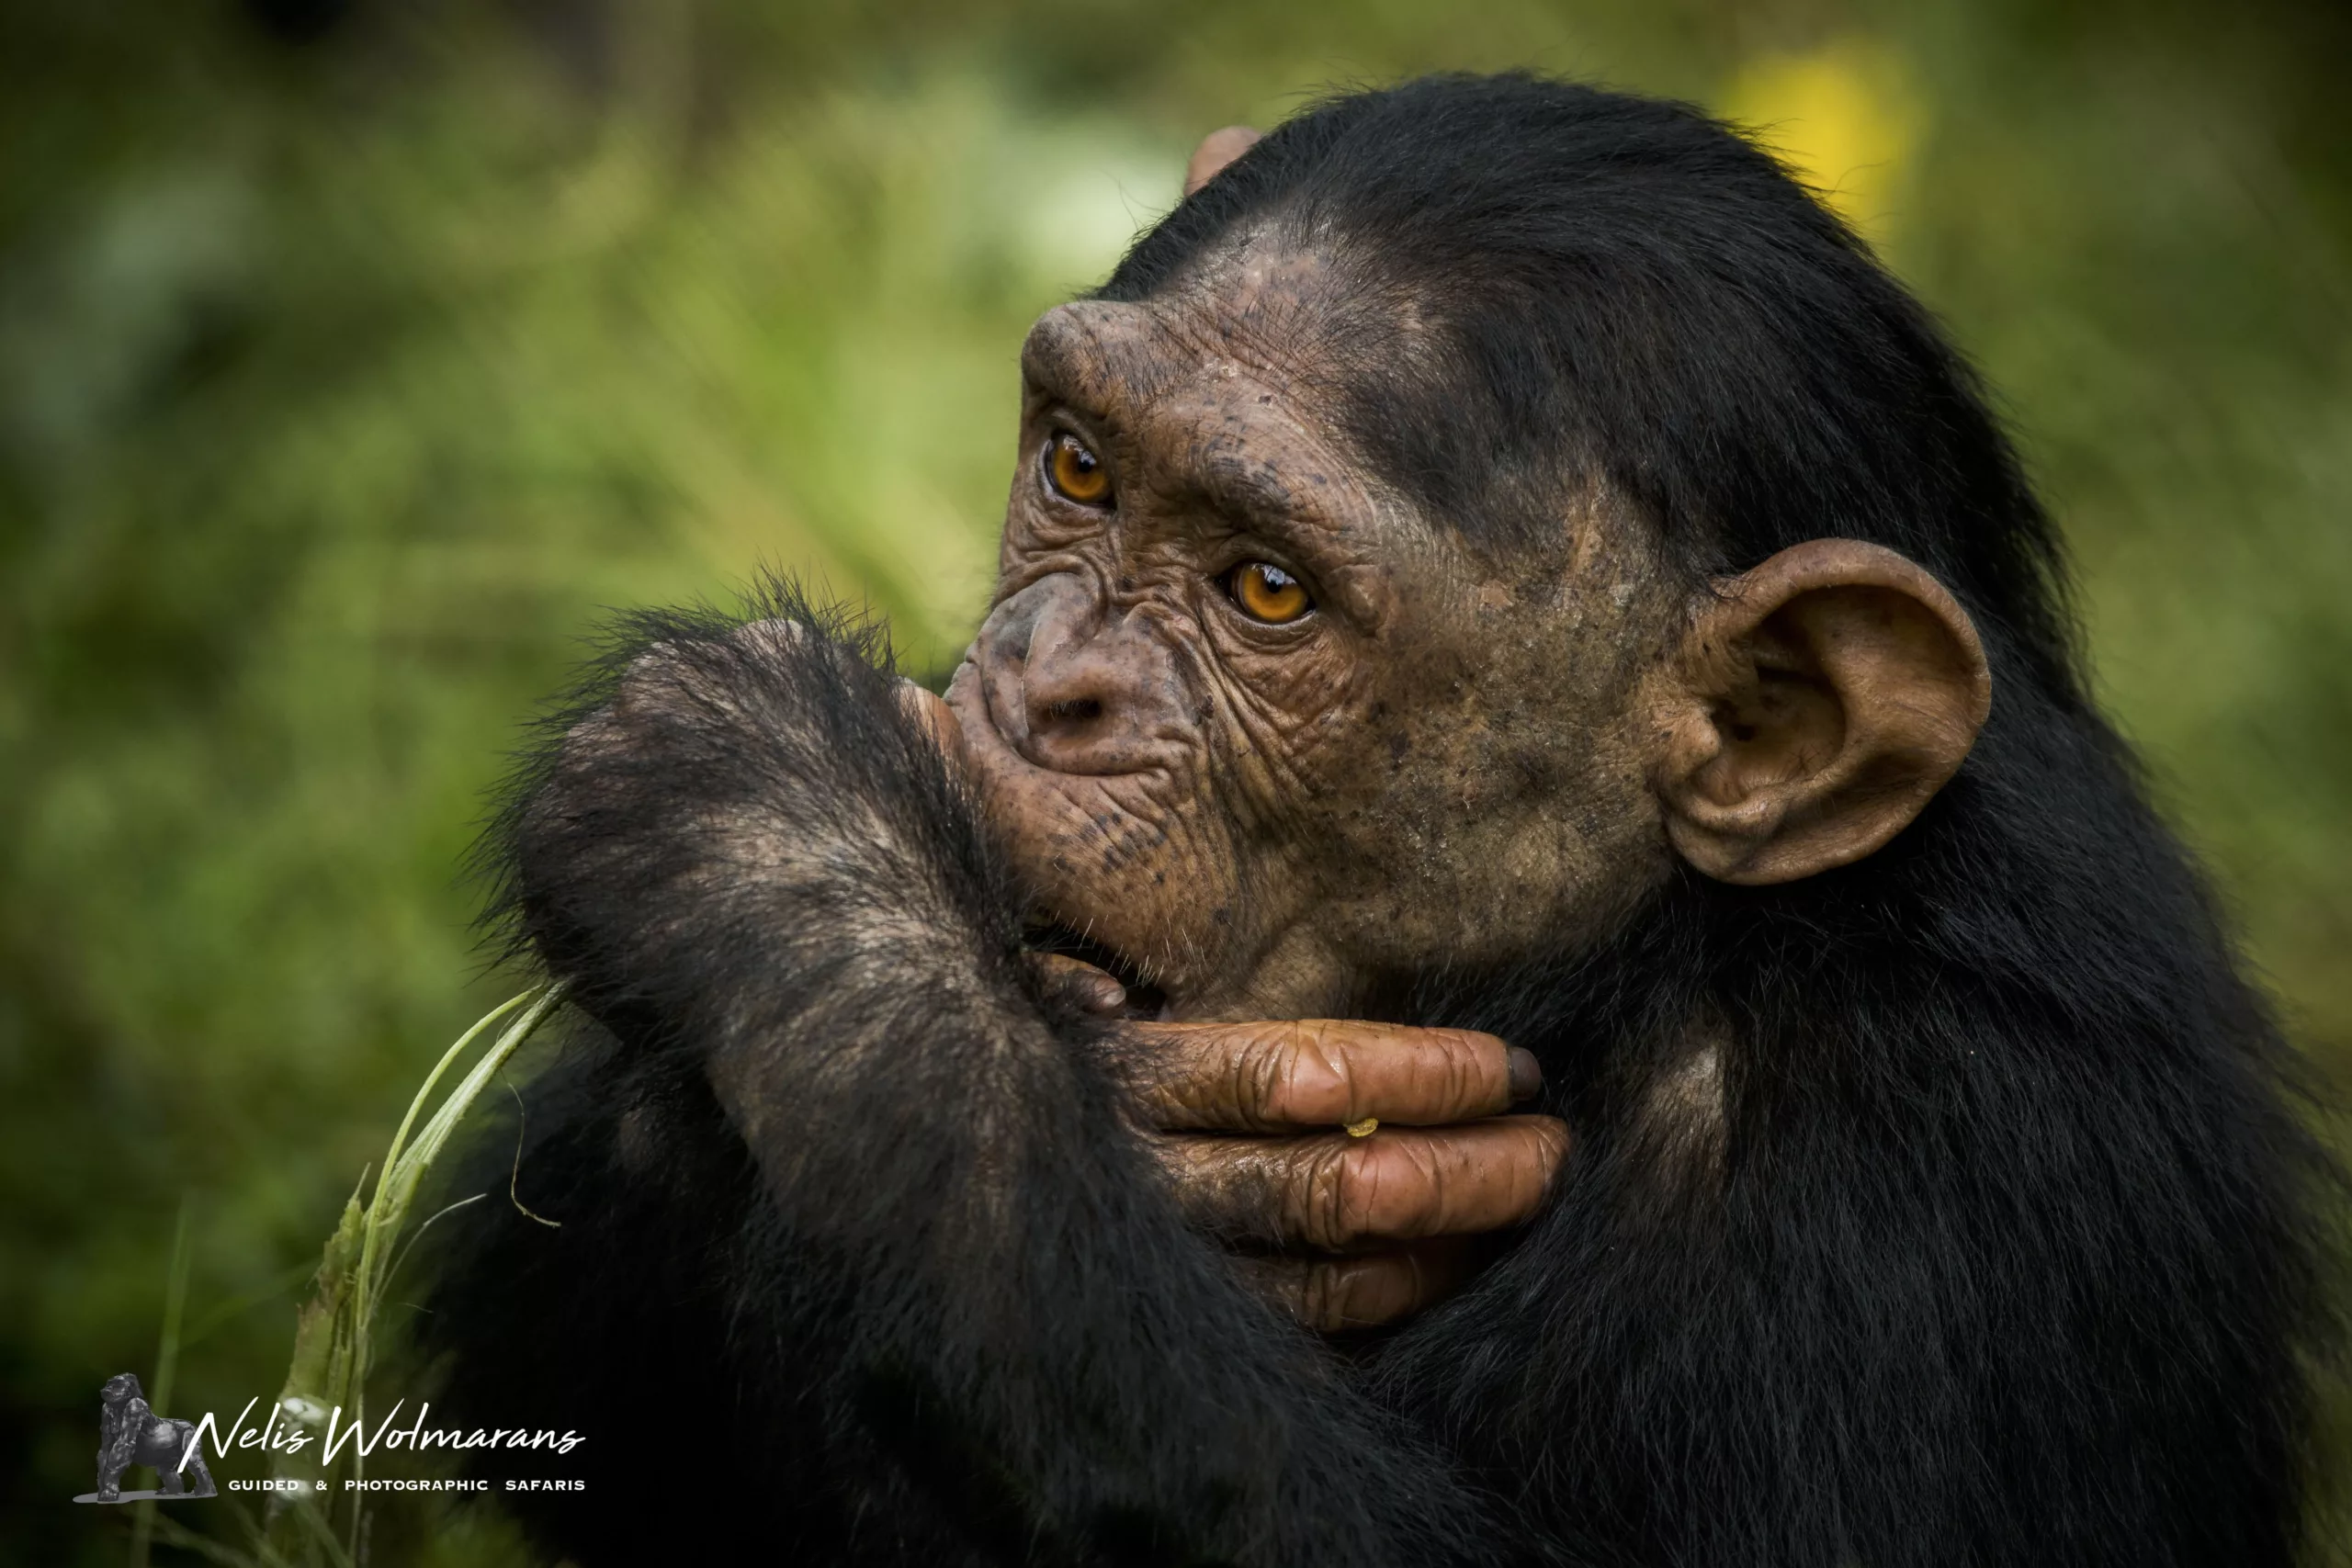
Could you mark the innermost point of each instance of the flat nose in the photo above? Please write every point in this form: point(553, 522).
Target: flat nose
point(1072, 688)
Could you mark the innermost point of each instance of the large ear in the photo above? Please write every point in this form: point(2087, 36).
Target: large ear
point(1813, 708)
point(1217, 148)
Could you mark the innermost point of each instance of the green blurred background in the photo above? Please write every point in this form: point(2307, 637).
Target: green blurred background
point(353, 356)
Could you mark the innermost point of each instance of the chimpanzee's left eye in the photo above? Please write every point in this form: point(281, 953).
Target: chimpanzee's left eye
point(1266, 592)
point(1076, 473)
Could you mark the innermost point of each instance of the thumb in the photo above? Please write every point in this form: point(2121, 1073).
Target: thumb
point(936, 719)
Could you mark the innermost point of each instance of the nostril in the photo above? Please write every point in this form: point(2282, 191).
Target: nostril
point(1076, 710)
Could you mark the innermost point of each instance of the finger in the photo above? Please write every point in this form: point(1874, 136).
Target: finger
point(1096, 990)
point(1331, 1192)
point(1332, 1294)
point(937, 719)
point(1217, 148)
point(1262, 1077)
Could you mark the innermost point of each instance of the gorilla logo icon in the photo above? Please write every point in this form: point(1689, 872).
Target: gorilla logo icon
point(131, 1433)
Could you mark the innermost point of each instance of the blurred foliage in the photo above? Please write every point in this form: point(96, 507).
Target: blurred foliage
point(352, 354)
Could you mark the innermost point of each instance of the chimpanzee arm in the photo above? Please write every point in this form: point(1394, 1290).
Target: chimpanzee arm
point(740, 848)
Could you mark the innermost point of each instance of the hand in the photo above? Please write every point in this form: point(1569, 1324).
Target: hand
point(1351, 1163)
point(1356, 1161)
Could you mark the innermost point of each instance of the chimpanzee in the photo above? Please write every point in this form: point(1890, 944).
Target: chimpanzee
point(1499, 562)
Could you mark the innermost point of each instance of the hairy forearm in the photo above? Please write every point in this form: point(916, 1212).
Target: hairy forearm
point(743, 849)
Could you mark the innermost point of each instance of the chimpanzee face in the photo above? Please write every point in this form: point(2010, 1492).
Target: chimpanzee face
point(1255, 727)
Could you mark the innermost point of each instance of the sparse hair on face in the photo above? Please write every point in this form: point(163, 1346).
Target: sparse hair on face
point(1615, 291)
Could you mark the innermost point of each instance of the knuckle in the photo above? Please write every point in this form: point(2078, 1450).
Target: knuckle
point(1531, 1162)
point(648, 685)
point(1543, 1148)
point(1319, 1079)
point(1290, 1076)
point(1482, 1067)
point(1428, 1189)
point(1256, 1072)
point(1330, 1196)
point(1465, 1080)
point(1317, 1296)
point(1382, 1188)
point(1366, 1291)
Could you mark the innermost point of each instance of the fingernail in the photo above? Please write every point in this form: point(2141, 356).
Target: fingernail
point(1526, 1073)
point(1109, 995)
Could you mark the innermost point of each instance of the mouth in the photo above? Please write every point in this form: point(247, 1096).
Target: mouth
point(1145, 999)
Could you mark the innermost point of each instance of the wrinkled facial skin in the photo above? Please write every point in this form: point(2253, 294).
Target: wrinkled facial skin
point(1438, 765)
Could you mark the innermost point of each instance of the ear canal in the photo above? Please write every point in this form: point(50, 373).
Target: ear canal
point(1816, 707)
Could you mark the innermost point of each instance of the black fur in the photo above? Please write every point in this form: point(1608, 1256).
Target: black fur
point(2002, 1249)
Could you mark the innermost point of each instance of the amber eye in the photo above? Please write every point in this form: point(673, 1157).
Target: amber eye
point(1266, 592)
point(1076, 473)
